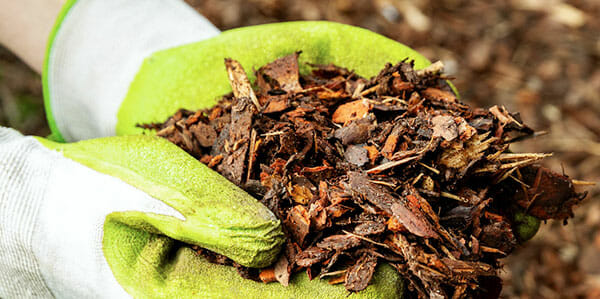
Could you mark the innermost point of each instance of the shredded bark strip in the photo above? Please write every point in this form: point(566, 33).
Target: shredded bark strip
point(361, 172)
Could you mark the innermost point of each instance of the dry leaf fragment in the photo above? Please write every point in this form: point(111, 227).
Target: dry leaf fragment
point(282, 270)
point(445, 127)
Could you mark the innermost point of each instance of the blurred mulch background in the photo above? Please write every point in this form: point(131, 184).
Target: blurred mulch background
point(539, 57)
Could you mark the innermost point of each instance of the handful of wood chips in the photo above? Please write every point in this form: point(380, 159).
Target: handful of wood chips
point(394, 169)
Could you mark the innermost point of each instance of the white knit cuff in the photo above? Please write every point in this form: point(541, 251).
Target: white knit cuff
point(94, 52)
point(20, 200)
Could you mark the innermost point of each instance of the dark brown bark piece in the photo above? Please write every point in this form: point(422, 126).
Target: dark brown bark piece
point(551, 196)
point(311, 256)
point(376, 194)
point(369, 228)
point(282, 73)
point(276, 104)
point(354, 132)
point(339, 242)
point(204, 133)
point(234, 164)
point(413, 220)
point(361, 273)
point(298, 223)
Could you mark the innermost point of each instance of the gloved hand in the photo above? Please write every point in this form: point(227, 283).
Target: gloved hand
point(123, 206)
point(133, 189)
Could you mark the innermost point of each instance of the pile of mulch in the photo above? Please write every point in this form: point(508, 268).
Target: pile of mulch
point(394, 169)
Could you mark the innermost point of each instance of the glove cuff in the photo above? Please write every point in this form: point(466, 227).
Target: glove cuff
point(95, 49)
point(20, 201)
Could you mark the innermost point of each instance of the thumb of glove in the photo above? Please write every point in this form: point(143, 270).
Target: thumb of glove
point(63, 214)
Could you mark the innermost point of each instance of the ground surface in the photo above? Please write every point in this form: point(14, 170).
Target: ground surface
point(540, 57)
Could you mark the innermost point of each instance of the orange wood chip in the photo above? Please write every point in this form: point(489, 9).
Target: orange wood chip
point(395, 225)
point(216, 112)
point(276, 105)
point(326, 95)
point(215, 160)
point(350, 111)
point(267, 275)
point(390, 145)
point(400, 85)
point(206, 159)
point(372, 152)
point(439, 95)
point(337, 280)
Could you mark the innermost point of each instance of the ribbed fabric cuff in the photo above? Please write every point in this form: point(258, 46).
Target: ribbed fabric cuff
point(20, 199)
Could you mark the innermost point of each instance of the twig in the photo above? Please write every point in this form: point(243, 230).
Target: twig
point(430, 168)
point(452, 196)
point(389, 165)
point(366, 239)
point(583, 183)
